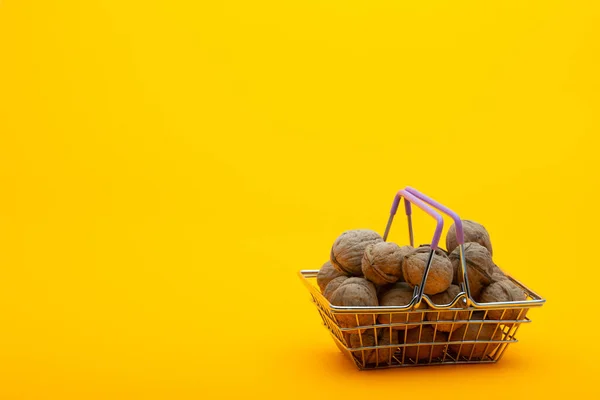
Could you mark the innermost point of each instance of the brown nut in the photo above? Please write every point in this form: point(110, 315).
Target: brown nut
point(473, 232)
point(424, 351)
point(348, 249)
point(333, 285)
point(326, 274)
point(354, 292)
point(480, 267)
point(440, 273)
point(479, 350)
point(498, 274)
point(399, 295)
point(382, 262)
point(445, 298)
point(381, 289)
point(367, 339)
point(503, 290)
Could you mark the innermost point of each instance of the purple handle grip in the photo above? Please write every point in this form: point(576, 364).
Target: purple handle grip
point(409, 198)
point(396, 203)
point(457, 221)
point(407, 207)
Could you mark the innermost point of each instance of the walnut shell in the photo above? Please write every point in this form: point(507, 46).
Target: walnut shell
point(381, 289)
point(326, 274)
point(426, 336)
point(440, 273)
point(480, 267)
point(382, 262)
point(503, 290)
point(355, 292)
point(445, 298)
point(477, 315)
point(367, 339)
point(347, 250)
point(498, 275)
point(333, 285)
point(473, 232)
point(479, 350)
point(399, 295)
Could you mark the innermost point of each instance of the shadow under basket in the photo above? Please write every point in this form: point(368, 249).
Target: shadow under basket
point(427, 336)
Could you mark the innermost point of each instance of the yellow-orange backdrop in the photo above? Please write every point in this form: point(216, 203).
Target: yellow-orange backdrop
point(167, 166)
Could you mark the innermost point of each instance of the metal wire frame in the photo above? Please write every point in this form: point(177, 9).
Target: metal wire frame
point(473, 340)
point(476, 339)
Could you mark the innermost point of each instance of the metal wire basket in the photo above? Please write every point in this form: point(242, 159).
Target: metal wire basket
point(479, 332)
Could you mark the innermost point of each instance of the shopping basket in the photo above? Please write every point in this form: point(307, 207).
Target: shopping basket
point(480, 332)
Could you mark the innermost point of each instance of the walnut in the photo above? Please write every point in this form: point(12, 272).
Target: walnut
point(473, 232)
point(381, 289)
point(426, 335)
point(326, 274)
point(446, 298)
point(480, 267)
point(355, 292)
point(382, 262)
point(440, 273)
point(367, 339)
point(498, 275)
point(479, 350)
point(347, 250)
point(399, 295)
point(503, 290)
point(333, 285)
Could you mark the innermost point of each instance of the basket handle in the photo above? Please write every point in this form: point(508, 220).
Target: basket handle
point(459, 233)
point(408, 209)
point(408, 199)
point(460, 238)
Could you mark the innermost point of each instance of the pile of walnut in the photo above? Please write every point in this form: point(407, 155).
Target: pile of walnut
point(363, 270)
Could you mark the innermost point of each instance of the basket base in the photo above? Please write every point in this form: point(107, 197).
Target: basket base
point(398, 362)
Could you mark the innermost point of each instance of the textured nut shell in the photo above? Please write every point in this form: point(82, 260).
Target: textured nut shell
point(382, 263)
point(503, 290)
point(406, 250)
point(333, 285)
point(473, 232)
point(399, 295)
point(440, 273)
point(326, 274)
point(445, 298)
point(480, 267)
point(382, 356)
point(347, 250)
point(425, 352)
point(498, 275)
point(355, 292)
point(381, 289)
point(479, 350)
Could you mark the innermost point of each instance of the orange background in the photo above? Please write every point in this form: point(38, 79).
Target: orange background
point(167, 167)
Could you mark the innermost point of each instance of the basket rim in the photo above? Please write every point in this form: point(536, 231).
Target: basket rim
point(536, 300)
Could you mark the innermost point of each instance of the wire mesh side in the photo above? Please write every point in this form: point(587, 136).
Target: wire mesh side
point(476, 339)
point(422, 337)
